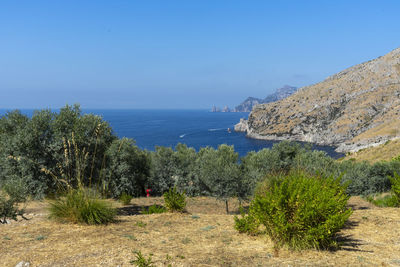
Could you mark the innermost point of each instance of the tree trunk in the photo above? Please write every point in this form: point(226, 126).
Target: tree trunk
point(226, 206)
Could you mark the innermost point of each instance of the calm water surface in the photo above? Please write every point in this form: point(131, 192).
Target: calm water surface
point(195, 128)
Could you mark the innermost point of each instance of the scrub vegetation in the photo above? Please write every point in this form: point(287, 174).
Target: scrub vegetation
point(294, 196)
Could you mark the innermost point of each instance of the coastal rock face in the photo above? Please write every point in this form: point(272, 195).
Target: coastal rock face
point(242, 126)
point(352, 109)
point(250, 102)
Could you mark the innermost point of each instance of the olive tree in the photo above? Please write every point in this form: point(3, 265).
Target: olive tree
point(127, 169)
point(219, 173)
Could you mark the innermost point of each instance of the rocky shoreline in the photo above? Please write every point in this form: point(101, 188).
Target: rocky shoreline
point(343, 147)
point(351, 110)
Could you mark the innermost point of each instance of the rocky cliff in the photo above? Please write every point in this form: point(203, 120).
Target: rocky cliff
point(353, 109)
point(250, 102)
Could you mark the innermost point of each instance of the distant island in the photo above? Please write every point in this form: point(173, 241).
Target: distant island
point(248, 104)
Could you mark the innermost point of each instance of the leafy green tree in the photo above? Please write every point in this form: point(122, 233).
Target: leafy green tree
point(184, 175)
point(163, 169)
point(128, 169)
point(219, 173)
point(286, 152)
point(30, 145)
point(314, 161)
point(90, 133)
point(255, 166)
point(21, 152)
point(365, 179)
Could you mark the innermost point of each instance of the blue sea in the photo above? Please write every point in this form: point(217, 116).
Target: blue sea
point(195, 128)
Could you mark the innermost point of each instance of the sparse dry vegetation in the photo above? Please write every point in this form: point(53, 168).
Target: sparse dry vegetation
point(205, 236)
point(358, 105)
point(386, 151)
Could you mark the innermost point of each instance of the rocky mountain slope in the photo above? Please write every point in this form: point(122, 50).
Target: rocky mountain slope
point(250, 102)
point(353, 109)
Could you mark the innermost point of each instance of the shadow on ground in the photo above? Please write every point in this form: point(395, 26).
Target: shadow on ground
point(130, 210)
point(134, 209)
point(348, 242)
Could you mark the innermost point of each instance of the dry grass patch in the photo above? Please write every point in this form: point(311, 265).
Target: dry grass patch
point(374, 154)
point(202, 237)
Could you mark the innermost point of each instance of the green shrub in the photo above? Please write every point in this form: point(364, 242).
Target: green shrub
point(163, 169)
point(395, 180)
point(385, 201)
point(175, 201)
point(125, 198)
point(127, 169)
point(82, 206)
point(16, 189)
point(300, 210)
point(246, 224)
point(9, 208)
point(366, 179)
point(141, 261)
point(12, 194)
point(154, 209)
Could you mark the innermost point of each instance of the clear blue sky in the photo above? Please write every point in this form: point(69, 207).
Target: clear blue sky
point(181, 54)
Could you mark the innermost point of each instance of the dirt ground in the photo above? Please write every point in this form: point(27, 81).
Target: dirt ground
point(202, 237)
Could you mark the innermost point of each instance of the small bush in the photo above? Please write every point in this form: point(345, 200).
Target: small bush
point(16, 189)
point(125, 198)
point(154, 209)
point(299, 210)
point(81, 206)
point(385, 201)
point(175, 201)
point(9, 209)
point(12, 194)
point(141, 261)
point(395, 180)
point(246, 224)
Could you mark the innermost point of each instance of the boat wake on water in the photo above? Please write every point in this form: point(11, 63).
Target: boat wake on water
point(217, 129)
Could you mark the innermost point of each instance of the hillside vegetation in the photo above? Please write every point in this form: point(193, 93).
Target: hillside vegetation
point(290, 198)
point(353, 109)
point(386, 152)
point(43, 152)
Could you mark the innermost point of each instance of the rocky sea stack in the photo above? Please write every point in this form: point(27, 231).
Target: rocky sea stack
point(353, 109)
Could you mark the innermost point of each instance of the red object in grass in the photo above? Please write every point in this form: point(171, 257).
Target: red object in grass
point(148, 192)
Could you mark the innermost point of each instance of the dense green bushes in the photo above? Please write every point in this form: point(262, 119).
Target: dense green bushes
point(30, 146)
point(298, 210)
point(116, 166)
point(127, 169)
point(365, 178)
point(388, 200)
point(395, 180)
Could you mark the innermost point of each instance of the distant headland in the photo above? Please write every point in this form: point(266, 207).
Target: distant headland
point(248, 104)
